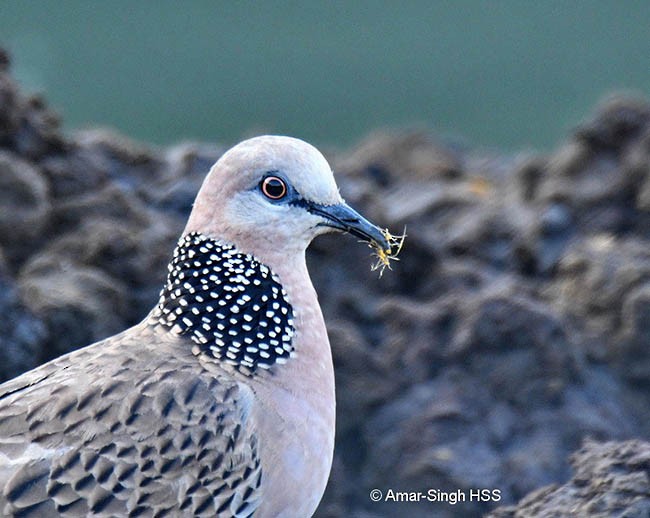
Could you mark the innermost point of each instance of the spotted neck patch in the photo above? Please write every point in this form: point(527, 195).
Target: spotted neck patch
point(228, 303)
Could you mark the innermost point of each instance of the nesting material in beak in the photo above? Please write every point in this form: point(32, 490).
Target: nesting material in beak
point(385, 256)
point(343, 217)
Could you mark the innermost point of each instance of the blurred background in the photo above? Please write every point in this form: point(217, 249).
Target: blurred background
point(505, 74)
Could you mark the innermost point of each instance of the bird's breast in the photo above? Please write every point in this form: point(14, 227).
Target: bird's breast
point(297, 454)
point(298, 419)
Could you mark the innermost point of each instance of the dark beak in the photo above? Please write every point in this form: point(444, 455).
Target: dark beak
point(345, 218)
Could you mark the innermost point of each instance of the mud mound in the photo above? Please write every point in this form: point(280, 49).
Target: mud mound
point(610, 479)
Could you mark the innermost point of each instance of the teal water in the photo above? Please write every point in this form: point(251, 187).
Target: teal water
point(507, 74)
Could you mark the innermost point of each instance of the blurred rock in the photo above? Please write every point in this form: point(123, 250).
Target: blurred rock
point(513, 327)
point(21, 333)
point(610, 480)
point(26, 125)
point(631, 354)
point(24, 205)
point(596, 275)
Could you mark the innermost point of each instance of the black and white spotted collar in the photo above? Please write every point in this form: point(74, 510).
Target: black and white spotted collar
point(229, 304)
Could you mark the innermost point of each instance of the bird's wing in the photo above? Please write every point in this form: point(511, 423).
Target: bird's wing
point(117, 431)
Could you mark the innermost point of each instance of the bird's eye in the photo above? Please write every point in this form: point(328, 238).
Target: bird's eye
point(274, 188)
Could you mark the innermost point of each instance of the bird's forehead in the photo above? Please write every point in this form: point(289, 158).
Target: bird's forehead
point(299, 162)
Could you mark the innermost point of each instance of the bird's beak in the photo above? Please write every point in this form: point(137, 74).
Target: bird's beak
point(343, 217)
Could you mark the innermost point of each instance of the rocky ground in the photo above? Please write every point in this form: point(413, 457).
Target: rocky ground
point(514, 331)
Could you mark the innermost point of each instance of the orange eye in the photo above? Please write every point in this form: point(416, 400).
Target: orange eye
point(274, 188)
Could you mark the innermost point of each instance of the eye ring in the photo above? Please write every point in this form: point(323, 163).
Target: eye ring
point(274, 188)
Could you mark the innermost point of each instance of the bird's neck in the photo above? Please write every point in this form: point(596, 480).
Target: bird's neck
point(237, 315)
point(230, 306)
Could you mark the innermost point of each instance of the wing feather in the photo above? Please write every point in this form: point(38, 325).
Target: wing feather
point(120, 429)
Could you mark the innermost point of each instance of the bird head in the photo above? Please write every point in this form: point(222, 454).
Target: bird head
point(276, 193)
